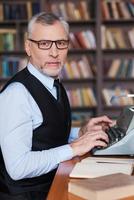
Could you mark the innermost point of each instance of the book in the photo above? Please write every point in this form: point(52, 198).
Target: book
point(108, 160)
point(108, 187)
point(114, 10)
point(83, 9)
point(1, 12)
point(114, 67)
point(94, 168)
point(105, 10)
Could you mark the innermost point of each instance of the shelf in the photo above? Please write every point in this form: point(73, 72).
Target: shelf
point(83, 109)
point(118, 79)
point(118, 22)
point(13, 22)
point(118, 53)
point(82, 51)
point(113, 108)
point(82, 80)
point(130, 50)
point(12, 53)
point(82, 22)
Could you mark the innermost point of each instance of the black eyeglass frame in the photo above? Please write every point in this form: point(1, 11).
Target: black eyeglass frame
point(52, 41)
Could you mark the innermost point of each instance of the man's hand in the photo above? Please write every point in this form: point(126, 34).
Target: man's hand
point(96, 124)
point(88, 141)
point(92, 135)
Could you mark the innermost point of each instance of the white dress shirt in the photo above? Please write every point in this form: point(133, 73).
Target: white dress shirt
point(19, 116)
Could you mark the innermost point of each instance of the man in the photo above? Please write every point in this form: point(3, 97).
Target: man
point(35, 127)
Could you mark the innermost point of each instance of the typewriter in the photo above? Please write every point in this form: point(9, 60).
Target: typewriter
point(121, 135)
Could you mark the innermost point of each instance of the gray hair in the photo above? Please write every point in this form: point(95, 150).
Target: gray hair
point(45, 18)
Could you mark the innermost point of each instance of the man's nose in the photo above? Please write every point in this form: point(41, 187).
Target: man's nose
point(54, 51)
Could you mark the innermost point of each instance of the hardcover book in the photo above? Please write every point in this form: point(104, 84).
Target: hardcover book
point(109, 187)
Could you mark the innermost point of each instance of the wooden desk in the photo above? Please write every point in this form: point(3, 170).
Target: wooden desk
point(59, 188)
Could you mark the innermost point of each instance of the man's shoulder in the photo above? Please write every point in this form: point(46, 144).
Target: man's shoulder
point(14, 89)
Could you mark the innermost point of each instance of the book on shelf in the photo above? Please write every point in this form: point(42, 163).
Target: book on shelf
point(109, 5)
point(109, 187)
point(77, 68)
point(103, 38)
point(80, 117)
point(86, 39)
point(18, 10)
point(130, 6)
point(108, 93)
point(121, 68)
point(71, 10)
point(116, 38)
point(92, 96)
point(125, 12)
point(114, 68)
point(83, 40)
point(109, 39)
point(90, 36)
point(105, 10)
point(119, 38)
point(130, 69)
point(63, 10)
point(7, 39)
point(54, 8)
point(74, 43)
point(84, 11)
point(85, 68)
point(85, 98)
point(10, 65)
point(81, 97)
point(1, 12)
point(131, 37)
point(122, 71)
point(68, 71)
point(117, 9)
point(114, 10)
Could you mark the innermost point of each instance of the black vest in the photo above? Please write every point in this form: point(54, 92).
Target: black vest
point(53, 132)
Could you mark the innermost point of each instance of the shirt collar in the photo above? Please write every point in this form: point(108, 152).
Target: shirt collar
point(44, 79)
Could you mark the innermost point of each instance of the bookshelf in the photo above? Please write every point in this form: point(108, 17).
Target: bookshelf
point(117, 49)
point(89, 71)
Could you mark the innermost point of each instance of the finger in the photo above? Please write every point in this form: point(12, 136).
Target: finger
point(100, 143)
point(101, 136)
point(95, 128)
point(97, 120)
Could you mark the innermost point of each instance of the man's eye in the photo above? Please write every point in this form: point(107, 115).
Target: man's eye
point(45, 43)
point(61, 43)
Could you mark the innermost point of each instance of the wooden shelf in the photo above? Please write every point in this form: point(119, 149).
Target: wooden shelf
point(82, 51)
point(118, 22)
point(119, 80)
point(82, 109)
point(82, 80)
point(82, 22)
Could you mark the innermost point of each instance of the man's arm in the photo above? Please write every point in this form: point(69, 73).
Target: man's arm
point(17, 123)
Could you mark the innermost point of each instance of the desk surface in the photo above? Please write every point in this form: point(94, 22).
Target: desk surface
point(59, 188)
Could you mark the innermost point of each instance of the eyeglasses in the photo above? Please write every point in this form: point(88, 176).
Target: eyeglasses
point(47, 44)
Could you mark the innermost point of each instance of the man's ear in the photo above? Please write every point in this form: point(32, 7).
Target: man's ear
point(27, 47)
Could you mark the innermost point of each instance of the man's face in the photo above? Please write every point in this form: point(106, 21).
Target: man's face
point(50, 61)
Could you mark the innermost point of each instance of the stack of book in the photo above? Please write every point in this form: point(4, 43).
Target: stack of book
point(106, 179)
